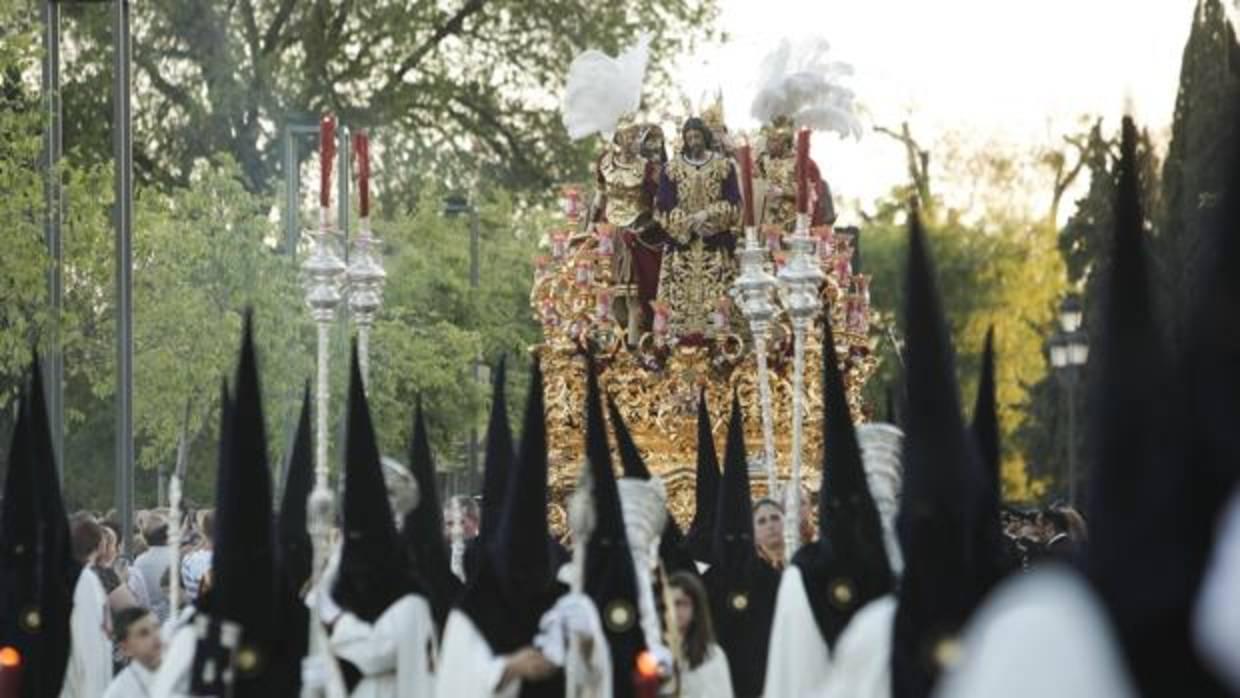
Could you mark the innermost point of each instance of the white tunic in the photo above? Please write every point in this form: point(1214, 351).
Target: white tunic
point(1040, 634)
point(711, 678)
point(395, 654)
point(1217, 622)
point(798, 661)
point(134, 681)
point(90, 648)
point(861, 666)
point(470, 669)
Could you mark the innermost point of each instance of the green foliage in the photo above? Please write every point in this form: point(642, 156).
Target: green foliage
point(1202, 144)
point(459, 84)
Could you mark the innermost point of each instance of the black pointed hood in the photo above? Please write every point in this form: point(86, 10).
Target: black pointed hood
point(611, 578)
point(706, 488)
point(937, 520)
point(515, 582)
point(1140, 558)
point(499, 456)
point(742, 587)
point(373, 573)
point(847, 567)
point(37, 570)
point(424, 526)
point(296, 548)
point(245, 588)
point(993, 560)
point(733, 525)
point(631, 460)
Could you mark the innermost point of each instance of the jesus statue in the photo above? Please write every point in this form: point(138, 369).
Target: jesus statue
point(697, 206)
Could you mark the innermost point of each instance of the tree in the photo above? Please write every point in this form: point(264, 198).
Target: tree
point(1202, 136)
point(997, 265)
point(221, 77)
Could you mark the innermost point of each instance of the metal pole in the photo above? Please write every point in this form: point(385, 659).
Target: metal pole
point(292, 191)
point(474, 281)
point(123, 154)
point(53, 149)
point(1071, 381)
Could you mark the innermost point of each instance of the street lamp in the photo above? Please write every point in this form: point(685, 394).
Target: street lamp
point(454, 206)
point(1069, 350)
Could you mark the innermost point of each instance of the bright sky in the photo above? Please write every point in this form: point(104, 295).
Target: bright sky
point(1012, 71)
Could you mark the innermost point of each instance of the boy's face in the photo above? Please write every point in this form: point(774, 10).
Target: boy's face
point(142, 643)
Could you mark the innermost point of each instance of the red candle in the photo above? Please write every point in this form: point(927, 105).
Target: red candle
point(802, 171)
point(646, 676)
point(327, 158)
point(10, 672)
point(361, 148)
point(746, 184)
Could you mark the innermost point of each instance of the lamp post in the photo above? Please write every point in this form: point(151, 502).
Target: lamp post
point(455, 206)
point(1069, 350)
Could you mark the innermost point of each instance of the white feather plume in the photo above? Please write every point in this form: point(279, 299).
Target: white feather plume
point(602, 89)
point(799, 82)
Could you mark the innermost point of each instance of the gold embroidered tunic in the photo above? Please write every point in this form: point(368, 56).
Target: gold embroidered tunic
point(697, 205)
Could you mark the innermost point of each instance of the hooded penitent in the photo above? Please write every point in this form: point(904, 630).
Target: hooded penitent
point(847, 567)
point(994, 559)
point(706, 489)
point(37, 570)
point(673, 550)
point(497, 462)
point(423, 528)
point(296, 548)
point(937, 522)
point(1146, 538)
point(741, 586)
point(374, 572)
point(515, 581)
point(245, 587)
point(610, 579)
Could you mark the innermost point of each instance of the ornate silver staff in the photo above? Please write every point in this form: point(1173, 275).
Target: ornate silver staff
point(323, 271)
point(800, 280)
point(753, 289)
point(457, 533)
point(365, 273)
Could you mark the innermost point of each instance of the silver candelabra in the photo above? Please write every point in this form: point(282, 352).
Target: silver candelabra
point(366, 278)
point(800, 281)
point(753, 287)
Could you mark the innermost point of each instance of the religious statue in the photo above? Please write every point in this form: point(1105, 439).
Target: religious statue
point(775, 188)
point(697, 206)
point(627, 176)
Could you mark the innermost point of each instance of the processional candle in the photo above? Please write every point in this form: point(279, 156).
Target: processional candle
point(327, 159)
point(361, 150)
point(747, 216)
point(802, 171)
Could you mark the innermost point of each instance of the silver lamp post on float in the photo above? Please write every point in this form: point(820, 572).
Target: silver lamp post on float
point(753, 287)
point(800, 281)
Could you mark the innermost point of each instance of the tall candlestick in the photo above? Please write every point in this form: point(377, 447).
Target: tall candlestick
point(802, 171)
point(327, 158)
point(361, 149)
point(746, 160)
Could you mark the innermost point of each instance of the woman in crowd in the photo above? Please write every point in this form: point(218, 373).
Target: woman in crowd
point(704, 669)
point(768, 532)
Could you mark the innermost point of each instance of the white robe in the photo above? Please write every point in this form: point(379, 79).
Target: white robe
point(711, 678)
point(1040, 634)
point(395, 654)
point(180, 643)
point(90, 648)
point(470, 669)
point(861, 663)
point(1217, 621)
point(798, 661)
point(134, 681)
